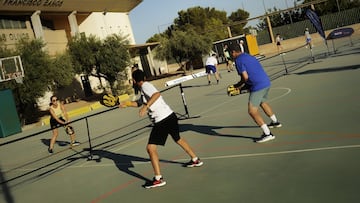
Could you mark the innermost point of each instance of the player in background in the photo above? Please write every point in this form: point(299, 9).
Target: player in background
point(308, 38)
point(59, 117)
point(165, 122)
point(241, 44)
point(252, 73)
point(211, 67)
point(228, 58)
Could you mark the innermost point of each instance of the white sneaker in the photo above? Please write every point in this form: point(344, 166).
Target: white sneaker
point(75, 143)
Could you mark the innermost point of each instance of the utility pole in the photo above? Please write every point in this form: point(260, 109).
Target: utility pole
point(264, 6)
point(290, 12)
point(338, 6)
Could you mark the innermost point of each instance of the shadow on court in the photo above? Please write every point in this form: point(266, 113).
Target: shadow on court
point(328, 70)
point(211, 130)
point(122, 161)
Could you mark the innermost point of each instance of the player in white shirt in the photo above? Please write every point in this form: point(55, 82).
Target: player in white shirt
point(211, 67)
point(308, 38)
point(165, 123)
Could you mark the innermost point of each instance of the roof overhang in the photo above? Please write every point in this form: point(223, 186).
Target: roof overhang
point(141, 46)
point(68, 5)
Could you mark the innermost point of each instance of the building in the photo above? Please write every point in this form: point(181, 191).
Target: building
point(56, 21)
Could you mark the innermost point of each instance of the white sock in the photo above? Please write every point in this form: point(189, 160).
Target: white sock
point(266, 129)
point(194, 159)
point(158, 177)
point(273, 118)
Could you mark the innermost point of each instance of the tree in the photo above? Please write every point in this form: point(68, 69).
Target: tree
point(113, 57)
point(4, 51)
point(156, 38)
point(192, 33)
point(62, 71)
point(236, 16)
point(83, 51)
point(183, 47)
point(37, 68)
point(276, 19)
point(204, 21)
point(333, 6)
point(41, 74)
point(107, 58)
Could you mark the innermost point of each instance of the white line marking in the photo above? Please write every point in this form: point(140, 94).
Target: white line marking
point(280, 152)
point(210, 158)
point(288, 90)
point(279, 97)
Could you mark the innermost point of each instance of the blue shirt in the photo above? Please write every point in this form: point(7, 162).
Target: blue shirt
point(258, 79)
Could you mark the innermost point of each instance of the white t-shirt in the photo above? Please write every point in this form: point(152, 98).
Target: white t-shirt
point(159, 109)
point(278, 39)
point(211, 61)
point(226, 53)
point(242, 48)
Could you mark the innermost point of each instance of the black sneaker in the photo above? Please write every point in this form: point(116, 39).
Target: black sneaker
point(75, 143)
point(50, 151)
point(265, 138)
point(274, 125)
point(192, 163)
point(155, 183)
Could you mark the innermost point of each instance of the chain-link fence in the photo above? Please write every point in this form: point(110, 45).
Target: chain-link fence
point(330, 21)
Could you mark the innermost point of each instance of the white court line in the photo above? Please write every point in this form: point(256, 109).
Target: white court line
point(280, 152)
point(216, 157)
point(288, 90)
point(255, 154)
point(281, 96)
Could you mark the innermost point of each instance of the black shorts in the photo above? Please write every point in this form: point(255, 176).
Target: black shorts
point(54, 123)
point(162, 129)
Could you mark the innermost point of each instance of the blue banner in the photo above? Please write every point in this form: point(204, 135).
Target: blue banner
point(315, 20)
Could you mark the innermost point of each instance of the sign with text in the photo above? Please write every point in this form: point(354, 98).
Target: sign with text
point(69, 5)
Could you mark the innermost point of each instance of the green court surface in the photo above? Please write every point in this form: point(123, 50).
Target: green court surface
point(314, 158)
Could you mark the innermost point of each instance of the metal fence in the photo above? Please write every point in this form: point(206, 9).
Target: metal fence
point(330, 21)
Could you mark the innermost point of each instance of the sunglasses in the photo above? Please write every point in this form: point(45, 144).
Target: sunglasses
point(54, 100)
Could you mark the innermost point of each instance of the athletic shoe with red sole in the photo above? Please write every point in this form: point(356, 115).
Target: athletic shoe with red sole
point(192, 163)
point(155, 183)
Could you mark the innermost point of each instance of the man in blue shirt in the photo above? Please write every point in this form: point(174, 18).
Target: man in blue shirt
point(253, 74)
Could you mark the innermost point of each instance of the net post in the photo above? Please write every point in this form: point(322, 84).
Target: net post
point(283, 60)
point(186, 115)
point(90, 157)
point(184, 101)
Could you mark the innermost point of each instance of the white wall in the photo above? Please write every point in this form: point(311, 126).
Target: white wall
point(111, 23)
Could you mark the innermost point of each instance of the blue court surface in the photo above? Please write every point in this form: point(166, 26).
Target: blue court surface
point(314, 158)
